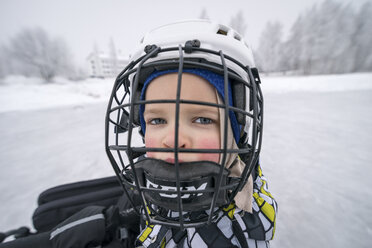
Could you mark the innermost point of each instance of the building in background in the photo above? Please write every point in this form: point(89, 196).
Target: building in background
point(105, 65)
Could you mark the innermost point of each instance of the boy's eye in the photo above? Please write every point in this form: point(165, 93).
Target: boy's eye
point(203, 120)
point(157, 121)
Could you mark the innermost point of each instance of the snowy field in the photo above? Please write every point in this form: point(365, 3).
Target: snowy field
point(316, 151)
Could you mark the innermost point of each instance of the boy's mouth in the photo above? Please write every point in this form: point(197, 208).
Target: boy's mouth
point(172, 160)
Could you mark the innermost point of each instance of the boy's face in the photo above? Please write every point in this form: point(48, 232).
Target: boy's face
point(199, 126)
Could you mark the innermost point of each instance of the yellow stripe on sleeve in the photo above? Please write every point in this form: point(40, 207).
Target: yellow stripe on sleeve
point(269, 211)
point(146, 233)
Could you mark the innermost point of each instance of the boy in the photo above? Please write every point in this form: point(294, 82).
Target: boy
point(195, 98)
point(193, 93)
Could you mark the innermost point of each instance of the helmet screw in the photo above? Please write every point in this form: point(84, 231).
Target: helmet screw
point(190, 45)
point(196, 43)
point(149, 48)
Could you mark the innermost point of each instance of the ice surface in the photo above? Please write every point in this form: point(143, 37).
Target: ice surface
point(317, 156)
point(316, 151)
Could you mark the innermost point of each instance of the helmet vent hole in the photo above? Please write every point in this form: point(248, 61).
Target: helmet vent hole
point(237, 37)
point(221, 31)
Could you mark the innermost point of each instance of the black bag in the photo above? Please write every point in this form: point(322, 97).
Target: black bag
point(62, 205)
point(59, 203)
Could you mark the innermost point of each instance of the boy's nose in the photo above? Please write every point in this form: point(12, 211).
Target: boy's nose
point(183, 139)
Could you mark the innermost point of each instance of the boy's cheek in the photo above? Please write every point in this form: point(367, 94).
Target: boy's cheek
point(209, 144)
point(150, 142)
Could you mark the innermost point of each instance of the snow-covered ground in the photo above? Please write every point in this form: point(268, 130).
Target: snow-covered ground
point(20, 93)
point(316, 151)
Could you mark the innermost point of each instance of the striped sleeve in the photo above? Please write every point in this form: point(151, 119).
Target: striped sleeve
point(264, 206)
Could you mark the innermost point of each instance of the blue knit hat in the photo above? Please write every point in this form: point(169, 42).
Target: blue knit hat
point(214, 79)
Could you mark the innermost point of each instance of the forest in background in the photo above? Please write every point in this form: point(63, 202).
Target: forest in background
point(328, 38)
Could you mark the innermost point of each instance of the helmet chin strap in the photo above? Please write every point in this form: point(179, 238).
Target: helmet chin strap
point(197, 183)
point(234, 164)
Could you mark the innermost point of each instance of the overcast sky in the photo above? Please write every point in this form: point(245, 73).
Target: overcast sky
point(82, 23)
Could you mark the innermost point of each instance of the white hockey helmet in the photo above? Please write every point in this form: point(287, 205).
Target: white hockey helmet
point(178, 47)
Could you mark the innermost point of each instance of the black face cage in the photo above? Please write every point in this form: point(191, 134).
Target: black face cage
point(121, 120)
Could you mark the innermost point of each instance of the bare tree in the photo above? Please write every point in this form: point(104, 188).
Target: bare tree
point(45, 56)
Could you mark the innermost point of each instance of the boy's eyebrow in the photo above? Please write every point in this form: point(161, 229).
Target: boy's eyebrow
point(204, 110)
point(200, 110)
point(153, 110)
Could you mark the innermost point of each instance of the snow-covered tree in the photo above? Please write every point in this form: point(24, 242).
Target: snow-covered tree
point(292, 48)
point(269, 51)
point(331, 31)
point(3, 64)
point(238, 23)
point(35, 52)
point(330, 38)
point(362, 38)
